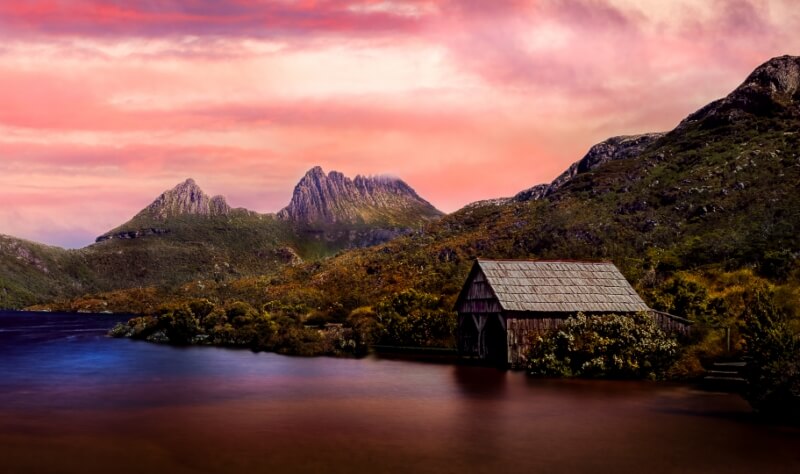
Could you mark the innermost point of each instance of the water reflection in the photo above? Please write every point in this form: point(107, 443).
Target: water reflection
point(73, 400)
point(473, 381)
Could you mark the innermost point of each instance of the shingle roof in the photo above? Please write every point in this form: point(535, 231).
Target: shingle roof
point(547, 286)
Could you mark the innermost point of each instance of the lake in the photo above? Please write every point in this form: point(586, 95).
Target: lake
point(74, 400)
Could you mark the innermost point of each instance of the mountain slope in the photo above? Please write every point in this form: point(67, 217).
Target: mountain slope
point(612, 149)
point(718, 193)
point(31, 272)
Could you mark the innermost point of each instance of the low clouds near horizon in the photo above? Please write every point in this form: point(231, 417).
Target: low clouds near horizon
point(105, 104)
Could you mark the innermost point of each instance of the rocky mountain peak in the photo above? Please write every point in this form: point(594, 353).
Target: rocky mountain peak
point(186, 198)
point(779, 76)
point(614, 148)
point(333, 198)
point(772, 89)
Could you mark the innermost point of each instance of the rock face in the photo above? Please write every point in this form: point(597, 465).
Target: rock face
point(772, 89)
point(186, 198)
point(183, 200)
point(333, 199)
point(615, 148)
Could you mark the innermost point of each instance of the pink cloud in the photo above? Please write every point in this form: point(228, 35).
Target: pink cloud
point(109, 103)
point(199, 18)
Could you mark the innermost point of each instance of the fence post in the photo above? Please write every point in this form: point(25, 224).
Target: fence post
point(728, 338)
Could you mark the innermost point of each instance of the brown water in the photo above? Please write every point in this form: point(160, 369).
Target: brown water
point(72, 400)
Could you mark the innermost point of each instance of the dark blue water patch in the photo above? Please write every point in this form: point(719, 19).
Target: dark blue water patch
point(67, 361)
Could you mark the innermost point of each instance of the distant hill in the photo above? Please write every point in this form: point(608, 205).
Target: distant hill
point(31, 272)
point(186, 235)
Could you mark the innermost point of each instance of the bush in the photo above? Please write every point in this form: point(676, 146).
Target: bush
point(179, 324)
point(366, 329)
point(604, 346)
point(773, 357)
point(414, 318)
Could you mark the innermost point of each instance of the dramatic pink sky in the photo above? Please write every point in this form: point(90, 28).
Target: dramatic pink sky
point(105, 104)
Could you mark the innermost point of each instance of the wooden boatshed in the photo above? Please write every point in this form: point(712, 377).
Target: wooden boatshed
point(506, 302)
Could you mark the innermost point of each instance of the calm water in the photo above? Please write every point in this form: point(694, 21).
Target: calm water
point(73, 400)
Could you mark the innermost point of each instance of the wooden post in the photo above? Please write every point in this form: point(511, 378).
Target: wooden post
point(728, 338)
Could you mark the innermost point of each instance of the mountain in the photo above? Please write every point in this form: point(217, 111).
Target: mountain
point(714, 196)
point(185, 199)
point(321, 200)
point(185, 235)
point(718, 195)
point(355, 212)
point(771, 91)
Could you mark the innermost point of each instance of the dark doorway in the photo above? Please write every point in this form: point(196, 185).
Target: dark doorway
point(496, 341)
point(467, 336)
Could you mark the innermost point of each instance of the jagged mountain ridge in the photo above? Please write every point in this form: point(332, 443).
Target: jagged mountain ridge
point(187, 198)
point(185, 234)
point(333, 199)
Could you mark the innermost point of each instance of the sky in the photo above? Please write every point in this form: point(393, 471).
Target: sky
point(106, 104)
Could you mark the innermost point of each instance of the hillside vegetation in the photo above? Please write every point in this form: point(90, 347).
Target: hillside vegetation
point(688, 216)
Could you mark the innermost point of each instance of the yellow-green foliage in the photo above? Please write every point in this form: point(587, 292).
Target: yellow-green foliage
point(604, 346)
point(772, 340)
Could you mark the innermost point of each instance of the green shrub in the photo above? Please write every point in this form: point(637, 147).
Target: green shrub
point(366, 330)
point(415, 318)
point(773, 357)
point(179, 324)
point(604, 346)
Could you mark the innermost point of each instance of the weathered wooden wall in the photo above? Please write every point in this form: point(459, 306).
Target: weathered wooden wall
point(479, 297)
point(521, 330)
point(477, 309)
point(671, 323)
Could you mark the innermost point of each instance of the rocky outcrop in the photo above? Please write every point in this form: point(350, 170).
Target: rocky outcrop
point(132, 234)
point(615, 148)
point(771, 89)
point(332, 199)
point(186, 198)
